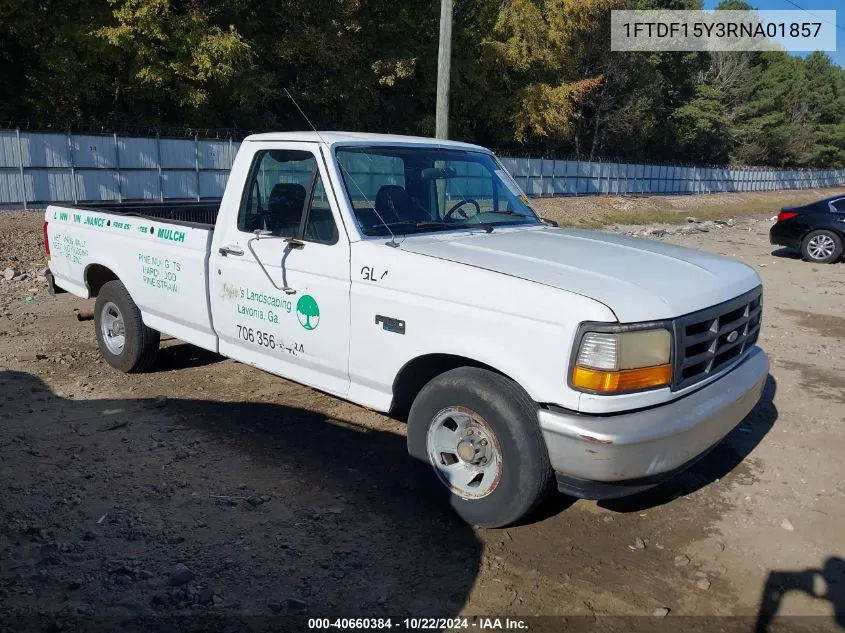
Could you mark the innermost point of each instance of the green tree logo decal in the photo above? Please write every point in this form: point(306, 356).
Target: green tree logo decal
point(308, 312)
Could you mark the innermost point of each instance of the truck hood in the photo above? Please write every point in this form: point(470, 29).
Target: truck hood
point(638, 279)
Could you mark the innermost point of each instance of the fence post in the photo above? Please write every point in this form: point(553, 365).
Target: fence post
point(160, 176)
point(72, 166)
point(542, 161)
point(577, 173)
point(625, 191)
point(197, 159)
point(117, 165)
point(20, 166)
point(600, 192)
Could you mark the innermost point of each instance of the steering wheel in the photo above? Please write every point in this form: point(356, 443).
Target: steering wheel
point(457, 207)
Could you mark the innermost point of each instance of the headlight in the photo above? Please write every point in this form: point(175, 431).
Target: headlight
point(615, 362)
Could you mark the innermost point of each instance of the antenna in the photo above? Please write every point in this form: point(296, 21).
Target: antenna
point(392, 241)
point(305, 116)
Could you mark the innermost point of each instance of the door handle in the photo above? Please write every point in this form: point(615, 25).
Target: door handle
point(231, 250)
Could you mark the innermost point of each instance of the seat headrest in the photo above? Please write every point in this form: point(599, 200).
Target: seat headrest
point(393, 203)
point(287, 194)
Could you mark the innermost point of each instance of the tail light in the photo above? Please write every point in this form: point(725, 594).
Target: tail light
point(786, 215)
point(46, 241)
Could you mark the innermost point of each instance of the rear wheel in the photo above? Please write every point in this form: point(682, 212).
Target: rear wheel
point(822, 247)
point(124, 341)
point(478, 434)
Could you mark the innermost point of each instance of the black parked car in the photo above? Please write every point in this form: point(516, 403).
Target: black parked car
point(816, 229)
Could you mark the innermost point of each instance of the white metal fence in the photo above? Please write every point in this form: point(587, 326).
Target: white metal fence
point(36, 168)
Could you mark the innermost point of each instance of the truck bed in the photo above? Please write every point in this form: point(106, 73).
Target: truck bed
point(198, 213)
point(158, 250)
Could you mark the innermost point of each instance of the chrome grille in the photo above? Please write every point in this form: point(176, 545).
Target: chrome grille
point(708, 341)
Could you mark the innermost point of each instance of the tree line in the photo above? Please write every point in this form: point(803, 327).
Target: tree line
point(528, 76)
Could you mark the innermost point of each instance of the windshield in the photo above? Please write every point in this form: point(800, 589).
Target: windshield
point(421, 189)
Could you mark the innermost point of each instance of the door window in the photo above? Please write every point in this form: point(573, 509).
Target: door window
point(319, 223)
point(285, 196)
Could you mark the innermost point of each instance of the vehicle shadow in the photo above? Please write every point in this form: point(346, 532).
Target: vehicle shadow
point(786, 253)
point(827, 583)
point(720, 461)
point(182, 356)
point(279, 513)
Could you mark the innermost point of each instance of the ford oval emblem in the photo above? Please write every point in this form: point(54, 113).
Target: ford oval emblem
point(733, 336)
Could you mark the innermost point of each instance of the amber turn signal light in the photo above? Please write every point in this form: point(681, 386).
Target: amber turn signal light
point(624, 380)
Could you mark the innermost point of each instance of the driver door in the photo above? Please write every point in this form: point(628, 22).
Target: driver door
point(279, 288)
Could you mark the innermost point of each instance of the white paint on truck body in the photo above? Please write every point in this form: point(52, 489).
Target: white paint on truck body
point(512, 299)
point(163, 265)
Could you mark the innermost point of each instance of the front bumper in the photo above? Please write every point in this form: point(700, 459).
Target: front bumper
point(614, 455)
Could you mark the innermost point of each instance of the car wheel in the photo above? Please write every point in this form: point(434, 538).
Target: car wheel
point(822, 247)
point(478, 435)
point(124, 341)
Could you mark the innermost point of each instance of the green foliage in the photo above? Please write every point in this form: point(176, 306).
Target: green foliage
point(179, 52)
point(734, 5)
point(794, 112)
point(702, 126)
point(528, 76)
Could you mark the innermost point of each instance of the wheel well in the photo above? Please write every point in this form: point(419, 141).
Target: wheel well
point(833, 229)
point(96, 276)
point(418, 372)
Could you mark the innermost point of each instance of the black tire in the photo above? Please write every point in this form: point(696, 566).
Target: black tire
point(526, 472)
point(52, 288)
point(141, 342)
point(834, 256)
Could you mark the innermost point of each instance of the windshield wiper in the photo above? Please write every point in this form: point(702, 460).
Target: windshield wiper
point(406, 226)
point(433, 224)
point(488, 227)
point(418, 224)
point(510, 212)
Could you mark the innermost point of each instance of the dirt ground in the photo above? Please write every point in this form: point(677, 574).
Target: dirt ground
point(599, 211)
point(208, 487)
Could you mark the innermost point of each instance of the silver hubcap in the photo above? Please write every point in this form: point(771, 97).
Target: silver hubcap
point(464, 452)
point(821, 246)
point(111, 325)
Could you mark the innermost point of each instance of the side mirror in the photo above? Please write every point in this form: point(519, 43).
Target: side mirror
point(548, 222)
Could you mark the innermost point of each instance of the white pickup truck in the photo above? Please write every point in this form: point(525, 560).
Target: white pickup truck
point(410, 275)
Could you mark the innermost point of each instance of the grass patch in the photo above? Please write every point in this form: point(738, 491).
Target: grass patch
point(587, 223)
point(601, 211)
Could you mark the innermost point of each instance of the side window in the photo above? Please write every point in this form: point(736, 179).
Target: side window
point(839, 205)
point(319, 223)
point(276, 192)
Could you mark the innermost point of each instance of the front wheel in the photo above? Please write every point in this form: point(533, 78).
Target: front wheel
point(124, 341)
point(822, 247)
point(478, 433)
